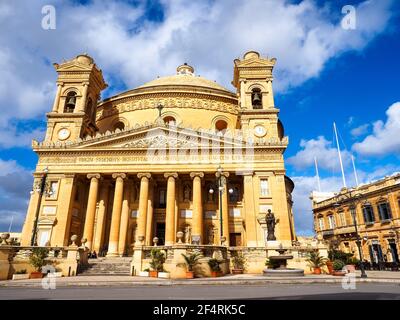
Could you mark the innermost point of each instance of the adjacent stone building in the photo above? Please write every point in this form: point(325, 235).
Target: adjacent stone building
point(377, 212)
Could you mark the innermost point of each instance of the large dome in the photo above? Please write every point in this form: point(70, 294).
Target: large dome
point(185, 77)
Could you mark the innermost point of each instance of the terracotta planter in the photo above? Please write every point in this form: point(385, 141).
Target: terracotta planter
point(189, 274)
point(36, 275)
point(153, 274)
point(317, 270)
point(237, 271)
point(215, 274)
point(329, 266)
point(339, 273)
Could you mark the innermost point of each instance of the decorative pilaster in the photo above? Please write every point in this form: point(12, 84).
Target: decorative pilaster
point(249, 207)
point(57, 98)
point(197, 206)
point(116, 214)
point(143, 198)
point(170, 209)
point(91, 209)
point(82, 105)
point(149, 220)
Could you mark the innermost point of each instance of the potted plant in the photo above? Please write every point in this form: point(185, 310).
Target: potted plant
point(20, 275)
point(38, 260)
point(191, 260)
point(338, 266)
point(316, 261)
point(157, 262)
point(215, 268)
point(239, 262)
point(351, 264)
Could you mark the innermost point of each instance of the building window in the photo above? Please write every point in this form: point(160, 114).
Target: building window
point(119, 125)
point(342, 218)
point(169, 120)
point(264, 188)
point(384, 211)
point(331, 221)
point(368, 213)
point(221, 125)
point(256, 99)
point(70, 102)
point(321, 223)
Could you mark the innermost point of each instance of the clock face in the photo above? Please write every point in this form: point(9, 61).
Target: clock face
point(63, 134)
point(260, 131)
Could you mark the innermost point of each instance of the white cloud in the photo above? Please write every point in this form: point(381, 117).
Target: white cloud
point(208, 35)
point(323, 150)
point(360, 130)
point(15, 184)
point(384, 139)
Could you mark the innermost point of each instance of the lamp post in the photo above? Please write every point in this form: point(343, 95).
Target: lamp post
point(353, 209)
point(41, 188)
point(221, 183)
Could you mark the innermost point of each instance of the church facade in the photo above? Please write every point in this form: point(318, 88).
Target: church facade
point(179, 153)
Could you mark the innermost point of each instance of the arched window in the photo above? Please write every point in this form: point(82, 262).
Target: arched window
point(256, 98)
point(221, 125)
point(70, 102)
point(119, 125)
point(169, 120)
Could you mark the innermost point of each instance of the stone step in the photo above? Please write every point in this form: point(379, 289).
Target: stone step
point(108, 266)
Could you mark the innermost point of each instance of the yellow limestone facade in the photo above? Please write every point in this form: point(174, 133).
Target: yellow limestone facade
point(123, 171)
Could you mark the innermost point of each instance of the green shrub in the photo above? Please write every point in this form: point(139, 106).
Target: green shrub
point(315, 260)
point(239, 261)
point(338, 265)
point(214, 265)
point(191, 260)
point(157, 260)
point(38, 258)
point(347, 258)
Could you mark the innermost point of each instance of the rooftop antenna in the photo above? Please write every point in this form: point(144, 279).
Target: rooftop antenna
point(340, 155)
point(355, 170)
point(316, 170)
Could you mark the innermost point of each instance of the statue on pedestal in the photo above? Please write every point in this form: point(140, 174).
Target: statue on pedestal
point(271, 222)
point(188, 234)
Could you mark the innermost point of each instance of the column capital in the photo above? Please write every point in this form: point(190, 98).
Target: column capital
point(144, 175)
point(171, 174)
point(197, 174)
point(94, 175)
point(118, 175)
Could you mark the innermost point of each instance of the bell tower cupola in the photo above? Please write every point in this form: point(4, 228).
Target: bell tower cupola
point(79, 85)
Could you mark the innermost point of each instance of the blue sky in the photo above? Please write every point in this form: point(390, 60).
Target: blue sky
point(323, 74)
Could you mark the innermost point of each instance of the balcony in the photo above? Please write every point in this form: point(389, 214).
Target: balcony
point(345, 230)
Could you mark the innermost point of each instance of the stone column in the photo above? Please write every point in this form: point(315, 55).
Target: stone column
point(124, 223)
point(57, 99)
point(101, 215)
point(197, 205)
point(91, 209)
point(116, 214)
point(149, 221)
point(170, 210)
point(143, 197)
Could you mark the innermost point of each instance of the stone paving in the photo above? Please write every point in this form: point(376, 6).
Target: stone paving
point(244, 279)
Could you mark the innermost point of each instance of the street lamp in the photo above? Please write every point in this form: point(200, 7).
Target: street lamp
point(353, 209)
point(221, 183)
point(41, 188)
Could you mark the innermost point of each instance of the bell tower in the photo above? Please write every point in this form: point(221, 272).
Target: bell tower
point(252, 79)
point(79, 85)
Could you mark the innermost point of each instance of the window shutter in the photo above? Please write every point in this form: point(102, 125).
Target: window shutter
point(364, 209)
point(380, 211)
point(389, 210)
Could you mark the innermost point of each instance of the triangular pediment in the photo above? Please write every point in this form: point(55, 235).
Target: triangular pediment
point(256, 62)
point(159, 137)
point(74, 66)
